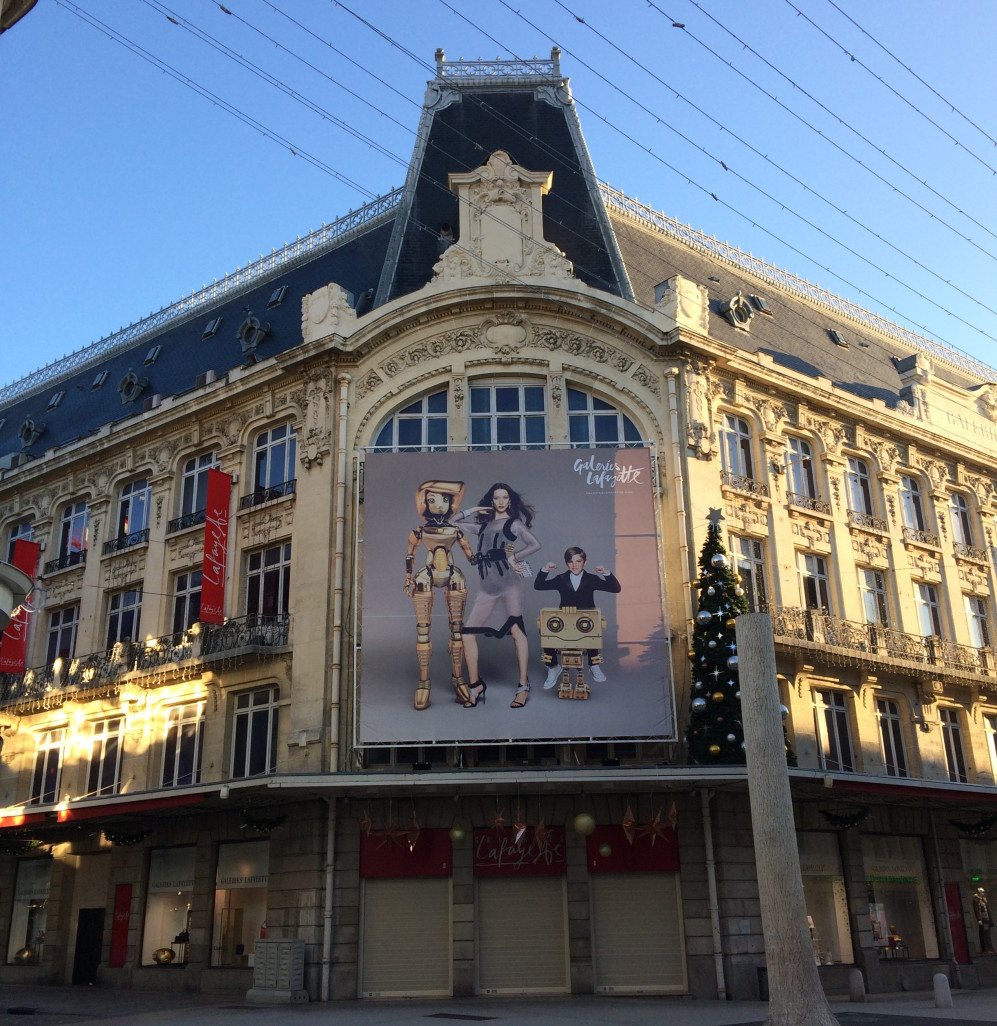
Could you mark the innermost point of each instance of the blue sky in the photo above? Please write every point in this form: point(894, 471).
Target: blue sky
point(123, 189)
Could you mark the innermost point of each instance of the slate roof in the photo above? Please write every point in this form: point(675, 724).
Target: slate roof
point(469, 118)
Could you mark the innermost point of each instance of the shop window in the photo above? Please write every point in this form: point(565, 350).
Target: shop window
point(962, 523)
point(274, 463)
point(183, 744)
point(24, 531)
point(736, 457)
point(254, 735)
point(420, 426)
point(194, 491)
point(595, 423)
point(833, 733)
point(900, 906)
point(240, 901)
point(800, 468)
point(133, 516)
point(61, 636)
point(48, 766)
point(26, 941)
point(186, 601)
point(508, 417)
point(929, 615)
point(978, 618)
point(168, 902)
point(955, 754)
point(104, 773)
point(749, 560)
point(268, 583)
point(858, 487)
point(826, 899)
point(815, 592)
point(124, 615)
point(891, 736)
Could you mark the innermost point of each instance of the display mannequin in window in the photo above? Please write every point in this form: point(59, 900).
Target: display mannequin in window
point(435, 501)
point(981, 913)
point(502, 521)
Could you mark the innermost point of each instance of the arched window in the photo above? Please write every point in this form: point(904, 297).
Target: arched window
point(595, 423)
point(422, 425)
point(508, 416)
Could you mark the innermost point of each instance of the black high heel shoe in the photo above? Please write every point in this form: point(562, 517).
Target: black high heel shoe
point(477, 692)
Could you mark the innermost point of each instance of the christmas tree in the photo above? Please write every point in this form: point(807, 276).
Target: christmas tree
point(715, 733)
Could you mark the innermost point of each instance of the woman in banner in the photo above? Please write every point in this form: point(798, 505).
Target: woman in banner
point(502, 522)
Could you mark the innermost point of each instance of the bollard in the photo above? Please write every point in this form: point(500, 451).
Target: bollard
point(856, 985)
point(943, 993)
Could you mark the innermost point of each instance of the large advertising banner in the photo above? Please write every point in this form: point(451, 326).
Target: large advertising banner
point(460, 553)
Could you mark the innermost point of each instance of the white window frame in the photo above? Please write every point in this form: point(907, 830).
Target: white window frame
point(800, 468)
point(912, 512)
point(184, 728)
point(955, 752)
point(268, 571)
point(124, 615)
point(891, 737)
point(74, 532)
point(813, 574)
point(929, 610)
point(257, 715)
point(603, 424)
point(134, 503)
point(858, 486)
point(48, 747)
point(23, 530)
point(194, 486)
point(60, 621)
point(274, 453)
point(186, 586)
point(104, 769)
point(833, 719)
point(491, 428)
point(962, 519)
point(749, 561)
point(875, 600)
point(978, 620)
point(422, 425)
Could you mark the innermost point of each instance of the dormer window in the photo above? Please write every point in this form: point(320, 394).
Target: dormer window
point(56, 399)
point(211, 328)
point(738, 311)
point(277, 297)
point(98, 381)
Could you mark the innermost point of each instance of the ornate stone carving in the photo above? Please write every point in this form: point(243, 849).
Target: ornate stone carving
point(316, 405)
point(368, 383)
point(772, 412)
point(648, 378)
point(64, 588)
point(974, 578)
point(868, 550)
point(749, 517)
point(439, 98)
point(501, 226)
point(264, 527)
point(185, 551)
point(457, 392)
point(814, 534)
point(458, 341)
point(685, 304)
point(937, 472)
point(987, 401)
point(698, 408)
point(924, 565)
point(327, 311)
point(123, 570)
point(887, 454)
point(555, 391)
point(556, 95)
point(505, 333)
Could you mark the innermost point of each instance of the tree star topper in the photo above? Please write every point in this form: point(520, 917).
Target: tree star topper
point(716, 515)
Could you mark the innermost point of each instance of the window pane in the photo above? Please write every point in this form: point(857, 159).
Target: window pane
point(577, 400)
point(480, 400)
point(437, 403)
point(506, 399)
point(533, 396)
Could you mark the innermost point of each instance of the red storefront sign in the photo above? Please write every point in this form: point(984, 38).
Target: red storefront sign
point(119, 926)
point(654, 850)
point(215, 547)
point(395, 853)
point(14, 644)
point(498, 853)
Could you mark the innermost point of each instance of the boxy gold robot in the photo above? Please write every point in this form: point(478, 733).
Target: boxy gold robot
point(573, 632)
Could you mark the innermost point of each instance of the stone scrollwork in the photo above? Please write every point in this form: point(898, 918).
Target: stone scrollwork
point(698, 409)
point(646, 377)
point(327, 311)
point(685, 304)
point(368, 383)
point(506, 333)
point(316, 406)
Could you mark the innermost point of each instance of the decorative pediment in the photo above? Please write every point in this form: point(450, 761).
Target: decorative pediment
point(501, 226)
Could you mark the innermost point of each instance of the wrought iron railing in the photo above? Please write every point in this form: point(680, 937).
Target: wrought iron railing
point(477, 71)
point(823, 628)
point(810, 502)
point(261, 495)
point(868, 521)
point(66, 560)
point(186, 520)
point(920, 536)
point(743, 483)
point(98, 671)
point(126, 541)
point(971, 552)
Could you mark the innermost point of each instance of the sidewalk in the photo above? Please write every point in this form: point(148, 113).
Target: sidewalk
point(55, 1006)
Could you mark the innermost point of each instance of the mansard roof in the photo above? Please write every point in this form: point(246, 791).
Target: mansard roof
point(389, 248)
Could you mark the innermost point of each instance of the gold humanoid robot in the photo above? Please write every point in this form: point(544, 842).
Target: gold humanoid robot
point(436, 502)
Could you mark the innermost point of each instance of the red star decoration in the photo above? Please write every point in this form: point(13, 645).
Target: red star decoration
point(628, 824)
point(366, 824)
point(498, 820)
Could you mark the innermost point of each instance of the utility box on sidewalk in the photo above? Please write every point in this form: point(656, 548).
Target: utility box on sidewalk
point(279, 972)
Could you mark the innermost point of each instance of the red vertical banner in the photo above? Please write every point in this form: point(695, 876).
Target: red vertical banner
point(215, 547)
point(119, 927)
point(14, 643)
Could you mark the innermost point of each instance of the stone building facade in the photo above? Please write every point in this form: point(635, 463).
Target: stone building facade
point(181, 792)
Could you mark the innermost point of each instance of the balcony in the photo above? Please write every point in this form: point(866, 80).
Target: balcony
point(867, 522)
point(125, 541)
point(920, 537)
point(810, 502)
point(181, 523)
point(744, 484)
point(262, 495)
point(872, 643)
point(65, 561)
point(179, 655)
point(971, 552)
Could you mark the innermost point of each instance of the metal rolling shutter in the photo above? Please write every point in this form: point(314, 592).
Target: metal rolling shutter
point(637, 930)
point(406, 949)
point(522, 935)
